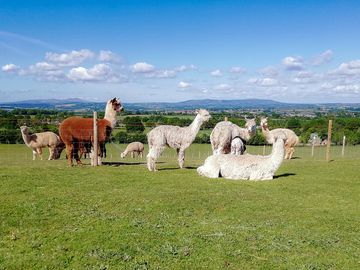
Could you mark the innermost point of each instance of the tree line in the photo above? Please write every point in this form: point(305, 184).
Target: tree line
point(133, 127)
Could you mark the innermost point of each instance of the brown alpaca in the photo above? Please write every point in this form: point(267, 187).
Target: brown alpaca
point(76, 131)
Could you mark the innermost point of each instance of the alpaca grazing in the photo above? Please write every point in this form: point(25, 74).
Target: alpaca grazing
point(245, 167)
point(291, 138)
point(179, 138)
point(224, 132)
point(75, 131)
point(37, 141)
point(237, 146)
point(133, 148)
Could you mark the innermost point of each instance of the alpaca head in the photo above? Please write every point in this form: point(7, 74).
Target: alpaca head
point(250, 125)
point(25, 130)
point(114, 105)
point(203, 114)
point(122, 155)
point(264, 122)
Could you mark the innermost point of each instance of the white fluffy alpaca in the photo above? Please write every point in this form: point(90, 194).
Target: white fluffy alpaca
point(245, 167)
point(37, 141)
point(179, 138)
point(237, 146)
point(134, 147)
point(291, 138)
point(224, 132)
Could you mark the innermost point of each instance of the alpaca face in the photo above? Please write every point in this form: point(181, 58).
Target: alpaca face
point(250, 125)
point(264, 122)
point(116, 104)
point(205, 115)
point(24, 129)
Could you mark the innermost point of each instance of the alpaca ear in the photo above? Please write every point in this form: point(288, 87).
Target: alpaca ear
point(113, 100)
point(196, 111)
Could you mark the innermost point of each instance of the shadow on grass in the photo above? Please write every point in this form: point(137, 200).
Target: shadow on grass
point(122, 163)
point(284, 175)
point(177, 168)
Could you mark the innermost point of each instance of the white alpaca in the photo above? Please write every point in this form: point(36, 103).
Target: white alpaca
point(37, 141)
point(224, 132)
point(291, 138)
point(179, 138)
point(245, 167)
point(237, 146)
point(133, 148)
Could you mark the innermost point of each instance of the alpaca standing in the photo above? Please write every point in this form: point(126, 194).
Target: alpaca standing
point(291, 138)
point(179, 138)
point(224, 132)
point(76, 130)
point(37, 141)
point(245, 167)
point(134, 147)
point(237, 146)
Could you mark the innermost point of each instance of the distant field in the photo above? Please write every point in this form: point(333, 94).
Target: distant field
point(120, 216)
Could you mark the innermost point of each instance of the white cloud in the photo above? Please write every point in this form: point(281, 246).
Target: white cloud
point(216, 73)
point(142, 67)
point(109, 57)
point(68, 59)
point(352, 88)
point(348, 69)
point(42, 66)
point(223, 87)
point(10, 68)
point(167, 73)
point(184, 85)
point(185, 68)
point(293, 63)
point(237, 70)
point(322, 58)
point(265, 82)
point(269, 71)
point(99, 72)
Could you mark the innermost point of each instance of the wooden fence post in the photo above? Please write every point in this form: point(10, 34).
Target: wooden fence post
point(328, 141)
point(95, 152)
point(312, 148)
point(343, 146)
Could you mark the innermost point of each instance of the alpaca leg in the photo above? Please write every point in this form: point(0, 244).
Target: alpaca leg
point(286, 153)
point(141, 154)
point(154, 153)
point(34, 154)
point(69, 154)
point(76, 153)
point(291, 152)
point(51, 153)
point(132, 154)
point(39, 151)
point(181, 158)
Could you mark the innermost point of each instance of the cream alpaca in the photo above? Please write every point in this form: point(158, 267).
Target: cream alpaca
point(37, 141)
point(245, 167)
point(237, 146)
point(133, 148)
point(224, 132)
point(179, 138)
point(291, 138)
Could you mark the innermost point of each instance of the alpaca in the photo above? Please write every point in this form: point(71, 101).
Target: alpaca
point(76, 130)
point(245, 167)
point(291, 138)
point(134, 147)
point(179, 138)
point(37, 141)
point(224, 132)
point(237, 146)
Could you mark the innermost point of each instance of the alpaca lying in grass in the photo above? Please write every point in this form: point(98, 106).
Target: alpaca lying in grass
point(179, 138)
point(291, 138)
point(133, 148)
point(224, 132)
point(37, 141)
point(245, 167)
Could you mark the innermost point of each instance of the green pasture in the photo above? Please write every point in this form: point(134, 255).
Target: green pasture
point(120, 216)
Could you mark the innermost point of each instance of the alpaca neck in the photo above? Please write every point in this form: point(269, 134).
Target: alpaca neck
point(196, 125)
point(277, 153)
point(266, 133)
point(26, 138)
point(110, 115)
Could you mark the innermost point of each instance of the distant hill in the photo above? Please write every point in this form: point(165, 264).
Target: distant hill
point(77, 104)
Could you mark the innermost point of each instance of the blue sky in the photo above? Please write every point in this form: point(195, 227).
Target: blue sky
point(293, 51)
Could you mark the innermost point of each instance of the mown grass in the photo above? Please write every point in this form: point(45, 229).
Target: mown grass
point(120, 216)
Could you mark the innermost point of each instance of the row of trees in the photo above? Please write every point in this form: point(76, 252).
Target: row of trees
point(132, 128)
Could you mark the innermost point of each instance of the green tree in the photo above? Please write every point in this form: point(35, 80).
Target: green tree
point(133, 124)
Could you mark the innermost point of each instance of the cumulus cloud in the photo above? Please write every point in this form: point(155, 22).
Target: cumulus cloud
point(99, 72)
point(265, 82)
point(167, 73)
point(68, 59)
point(10, 68)
point(348, 69)
point(237, 70)
point(184, 85)
point(216, 73)
point(109, 57)
point(322, 58)
point(293, 63)
point(269, 71)
point(223, 87)
point(183, 68)
point(142, 67)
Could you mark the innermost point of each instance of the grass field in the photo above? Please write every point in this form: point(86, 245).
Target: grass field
point(120, 216)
